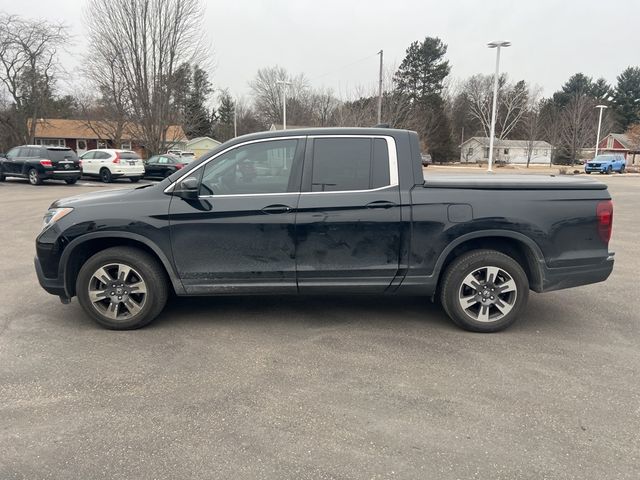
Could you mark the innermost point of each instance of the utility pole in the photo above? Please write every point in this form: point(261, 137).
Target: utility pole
point(284, 84)
point(235, 119)
point(380, 90)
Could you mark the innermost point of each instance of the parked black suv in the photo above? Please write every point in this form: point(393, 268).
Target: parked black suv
point(38, 163)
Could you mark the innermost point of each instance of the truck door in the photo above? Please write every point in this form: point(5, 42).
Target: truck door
point(238, 235)
point(348, 223)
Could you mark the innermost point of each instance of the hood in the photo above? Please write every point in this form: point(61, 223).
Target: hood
point(86, 199)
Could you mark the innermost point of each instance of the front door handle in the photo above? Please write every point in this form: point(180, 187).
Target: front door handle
point(273, 209)
point(381, 204)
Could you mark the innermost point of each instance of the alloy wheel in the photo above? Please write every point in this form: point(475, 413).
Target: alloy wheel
point(33, 177)
point(488, 294)
point(117, 291)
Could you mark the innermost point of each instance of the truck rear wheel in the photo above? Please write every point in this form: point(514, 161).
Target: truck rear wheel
point(484, 290)
point(122, 288)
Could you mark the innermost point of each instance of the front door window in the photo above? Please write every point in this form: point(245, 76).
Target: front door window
point(258, 168)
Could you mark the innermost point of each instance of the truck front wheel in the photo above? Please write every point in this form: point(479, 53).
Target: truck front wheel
point(484, 290)
point(122, 288)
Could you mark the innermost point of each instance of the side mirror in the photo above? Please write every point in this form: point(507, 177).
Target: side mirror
point(187, 189)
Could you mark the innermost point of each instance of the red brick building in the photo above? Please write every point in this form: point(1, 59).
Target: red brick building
point(621, 144)
point(83, 135)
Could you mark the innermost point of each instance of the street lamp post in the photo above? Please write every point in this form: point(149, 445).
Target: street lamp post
point(498, 44)
point(601, 108)
point(284, 84)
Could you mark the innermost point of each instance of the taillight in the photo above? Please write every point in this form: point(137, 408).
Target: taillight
point(117, 159)
point(604, 212)
point(179, 165)
point(46, 163)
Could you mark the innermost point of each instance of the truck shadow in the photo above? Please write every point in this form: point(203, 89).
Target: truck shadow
point(307, 310)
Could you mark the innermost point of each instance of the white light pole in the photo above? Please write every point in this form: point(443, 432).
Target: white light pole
point(498, 44)
point(284, 84)
point(601, 108)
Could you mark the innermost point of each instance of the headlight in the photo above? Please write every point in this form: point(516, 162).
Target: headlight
point(53, 215)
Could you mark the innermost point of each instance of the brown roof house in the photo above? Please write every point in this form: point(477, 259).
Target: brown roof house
point(83, 135)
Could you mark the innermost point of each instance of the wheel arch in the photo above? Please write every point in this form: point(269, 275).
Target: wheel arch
point(81, 249)
point(516, 245)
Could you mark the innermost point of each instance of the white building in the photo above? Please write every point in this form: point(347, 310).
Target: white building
point(476, 149)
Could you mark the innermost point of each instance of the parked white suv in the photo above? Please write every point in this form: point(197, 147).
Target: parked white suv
point(109, 164)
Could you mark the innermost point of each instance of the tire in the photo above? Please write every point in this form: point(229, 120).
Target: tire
point(481, 266)
point(134, 179)
point(609, 169)
point(132, 310)
point(105, 175)
point(621, 170)
point(71, 181)
point(34, 178)
point(2, 177)
point(588, 173)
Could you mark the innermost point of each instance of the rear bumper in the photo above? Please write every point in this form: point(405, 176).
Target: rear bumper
point(126, 173)
point(575, 276)
point(54, 286)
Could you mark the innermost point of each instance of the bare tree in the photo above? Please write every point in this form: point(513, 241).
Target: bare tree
point(28, 64)
point(246, 118)
point(532, 123)
point(361, 109)
point(578, 125)
point(142, 43)
point(633, 135)
point(267, 96)
point(511, 103)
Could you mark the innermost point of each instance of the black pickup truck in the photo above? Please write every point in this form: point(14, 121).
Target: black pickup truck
point(320, 211)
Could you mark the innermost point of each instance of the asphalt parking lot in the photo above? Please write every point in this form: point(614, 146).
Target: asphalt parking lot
point(330, 388)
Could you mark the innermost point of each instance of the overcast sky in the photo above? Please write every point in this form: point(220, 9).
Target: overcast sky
point(334, 42)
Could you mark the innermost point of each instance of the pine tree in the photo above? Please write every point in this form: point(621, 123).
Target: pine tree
point(627, 97)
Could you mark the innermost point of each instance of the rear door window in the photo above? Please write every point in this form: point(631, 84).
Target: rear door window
point(347, 164)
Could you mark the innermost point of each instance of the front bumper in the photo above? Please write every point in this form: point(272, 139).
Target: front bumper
point(54, 286)
point(575, 276)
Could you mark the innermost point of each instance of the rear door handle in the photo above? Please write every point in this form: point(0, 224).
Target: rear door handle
point(381, 204)
point(273, 209)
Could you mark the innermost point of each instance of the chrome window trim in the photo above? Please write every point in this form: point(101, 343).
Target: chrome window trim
point(393, 166)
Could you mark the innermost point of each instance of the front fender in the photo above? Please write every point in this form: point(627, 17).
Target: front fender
point(74, 244)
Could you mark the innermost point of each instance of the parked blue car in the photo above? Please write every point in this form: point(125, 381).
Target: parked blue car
point(606, 164)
